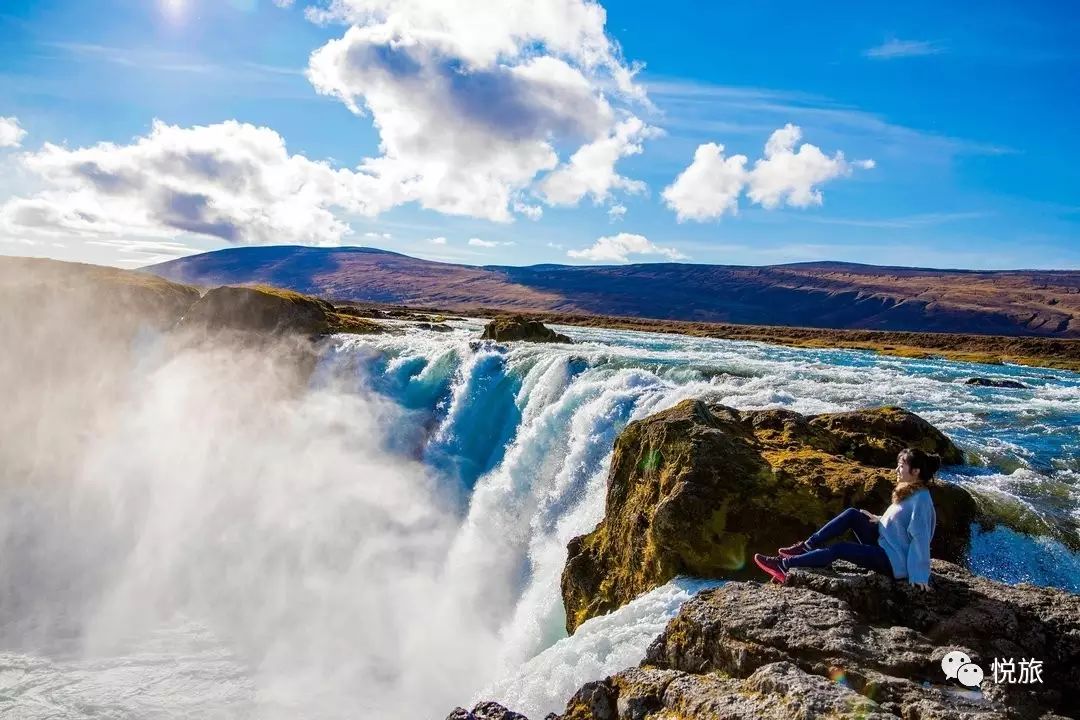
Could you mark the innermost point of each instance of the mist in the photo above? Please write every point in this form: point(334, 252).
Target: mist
point(248, 491)
point(227, 525)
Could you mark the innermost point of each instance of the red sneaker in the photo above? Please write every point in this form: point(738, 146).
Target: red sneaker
point(772, 565)
point(798, 548)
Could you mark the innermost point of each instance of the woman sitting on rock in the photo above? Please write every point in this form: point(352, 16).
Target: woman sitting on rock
point(896, 544)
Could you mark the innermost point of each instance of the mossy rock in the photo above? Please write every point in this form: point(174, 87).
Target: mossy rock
point(516, 328)
point(698, 489)
point(264, 309)
point(876, 439)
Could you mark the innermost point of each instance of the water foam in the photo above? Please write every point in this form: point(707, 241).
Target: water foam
point(389, 542)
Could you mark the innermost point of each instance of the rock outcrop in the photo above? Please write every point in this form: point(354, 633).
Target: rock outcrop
point(118, 301)
point(849, 644)
point(697, 489)
point(846, 643)
point(270, 310)
point(485, 711)
point(991, 382)
point(510, 329)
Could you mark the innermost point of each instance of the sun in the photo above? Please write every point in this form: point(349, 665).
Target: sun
point(173, 8)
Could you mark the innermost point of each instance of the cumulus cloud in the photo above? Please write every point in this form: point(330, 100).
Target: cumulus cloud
point(231, 181)
point(709, 187)
point(787, 175)
point(712, 184)
point(437, 240)
point(11, 133)
point(591, 170)
point(472, 97)
point(616, 212)
point(618, 248)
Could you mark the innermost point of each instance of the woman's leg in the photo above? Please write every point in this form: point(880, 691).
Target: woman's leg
point(871, 557)
point(852, 519)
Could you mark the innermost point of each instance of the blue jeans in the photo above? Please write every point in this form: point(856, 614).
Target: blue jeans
point(865, 553)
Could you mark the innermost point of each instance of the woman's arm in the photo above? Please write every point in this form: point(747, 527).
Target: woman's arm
point(920, 532)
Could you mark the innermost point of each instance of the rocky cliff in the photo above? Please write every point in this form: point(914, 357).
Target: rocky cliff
point(844, 643)
point(698, 489)
point(849, 644)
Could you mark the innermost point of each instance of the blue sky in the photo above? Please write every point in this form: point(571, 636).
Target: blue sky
point(448, 129)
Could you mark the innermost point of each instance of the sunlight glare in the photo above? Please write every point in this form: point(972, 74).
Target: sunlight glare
point(173, 8)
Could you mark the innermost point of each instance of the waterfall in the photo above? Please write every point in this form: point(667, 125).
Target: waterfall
point(385, 539)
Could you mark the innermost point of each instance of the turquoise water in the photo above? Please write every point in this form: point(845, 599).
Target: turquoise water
point(1023, 446)
point(388, 541)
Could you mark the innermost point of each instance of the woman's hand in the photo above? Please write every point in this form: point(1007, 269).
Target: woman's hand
point(873, 518)
point(925, 587)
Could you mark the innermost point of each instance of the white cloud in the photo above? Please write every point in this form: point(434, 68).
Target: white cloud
point(477, 242)
point(533, 212)
point(231, 181)
point(591, 170)
point(472, 97)
point(11, 134)
point(710, 187)
point(618, 248)
point(284, 3)
point(787, 175)
point(437, 240)
point(378, 236)
point(894, 48)
point(616, 212)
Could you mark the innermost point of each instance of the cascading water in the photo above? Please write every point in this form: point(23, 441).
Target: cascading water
point(388, 541)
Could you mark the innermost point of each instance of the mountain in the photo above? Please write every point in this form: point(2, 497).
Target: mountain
point(821, 294)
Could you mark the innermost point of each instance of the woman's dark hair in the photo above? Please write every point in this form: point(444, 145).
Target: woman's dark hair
point(926, 463)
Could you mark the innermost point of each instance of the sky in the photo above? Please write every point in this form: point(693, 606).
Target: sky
point(544, 131)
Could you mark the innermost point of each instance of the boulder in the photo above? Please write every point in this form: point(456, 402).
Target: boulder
point(434, 327)
point(510, 329)
point(270, 310)
point(777, 691)
point(887, 639)
point(990, 382)
point(697, 489)
point(485, 711)
point(848, 643)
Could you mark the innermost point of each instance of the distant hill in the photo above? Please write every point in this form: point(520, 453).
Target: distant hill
point(823, 294)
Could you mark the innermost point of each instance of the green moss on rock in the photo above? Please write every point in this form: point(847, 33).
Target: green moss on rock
point(515, 328)
point(698, 489)
point(264, 309)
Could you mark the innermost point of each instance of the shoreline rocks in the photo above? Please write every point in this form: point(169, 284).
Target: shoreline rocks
point(848, 643)
point(697, 489)
point(518, 328)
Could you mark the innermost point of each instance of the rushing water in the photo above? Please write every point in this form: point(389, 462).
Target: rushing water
point(390, 544)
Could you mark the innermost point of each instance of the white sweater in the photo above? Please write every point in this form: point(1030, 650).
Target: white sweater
point(904, 533)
